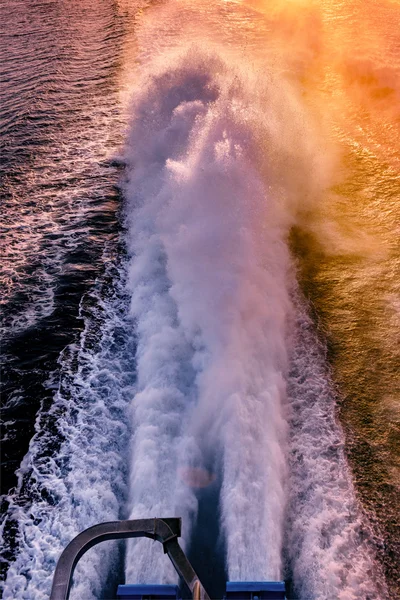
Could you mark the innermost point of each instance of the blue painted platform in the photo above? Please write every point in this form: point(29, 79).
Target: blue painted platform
point(148, 592)
point(255, 590)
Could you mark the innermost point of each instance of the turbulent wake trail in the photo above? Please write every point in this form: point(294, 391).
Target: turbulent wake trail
point(231, 378)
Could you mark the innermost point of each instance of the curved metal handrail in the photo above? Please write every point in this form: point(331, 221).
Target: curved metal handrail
point(165, 531)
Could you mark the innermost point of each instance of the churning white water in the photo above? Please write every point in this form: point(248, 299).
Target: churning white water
point(84, 481)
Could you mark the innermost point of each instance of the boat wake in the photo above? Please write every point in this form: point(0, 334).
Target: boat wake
point(206, 369)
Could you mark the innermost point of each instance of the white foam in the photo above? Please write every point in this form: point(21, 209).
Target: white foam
point(328, 540)
point(84, 481)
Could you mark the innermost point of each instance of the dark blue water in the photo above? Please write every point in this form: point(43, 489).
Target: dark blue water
point(59, 203)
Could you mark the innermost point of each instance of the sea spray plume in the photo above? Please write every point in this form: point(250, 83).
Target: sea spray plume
point(210, 196)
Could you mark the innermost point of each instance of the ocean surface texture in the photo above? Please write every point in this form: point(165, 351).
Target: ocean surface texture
point(200, 273)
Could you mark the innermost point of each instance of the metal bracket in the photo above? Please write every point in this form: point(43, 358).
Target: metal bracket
point(165, 531)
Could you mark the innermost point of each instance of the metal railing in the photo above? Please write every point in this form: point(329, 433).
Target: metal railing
point(165, 531)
